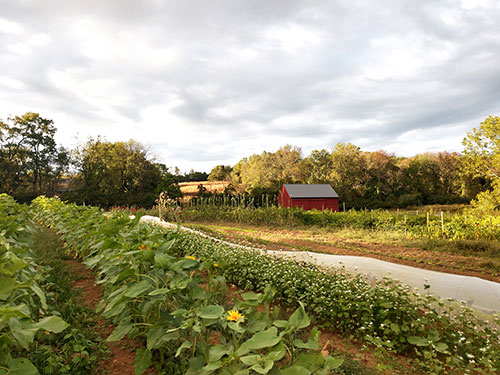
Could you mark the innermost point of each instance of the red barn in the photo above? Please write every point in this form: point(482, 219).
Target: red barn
point(309, 196)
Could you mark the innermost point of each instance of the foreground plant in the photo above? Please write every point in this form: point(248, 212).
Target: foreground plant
point(24, 310)
point(178, 304)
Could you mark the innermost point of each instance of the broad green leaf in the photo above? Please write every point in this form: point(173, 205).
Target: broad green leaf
point(52, 324)
point(418, 341)
point(24, 331)
point(179, 281)
point(277, 352)
point(280, 323)
point(251, 360)
point(263, 339)
point(137, 288)
point(395, 328)
point(7, 285)
point(21, 366)
point(163, 260)
point(441, 347)
point(216, 352)
point(120, 331)
point(40, 295)
point(157, 336)
point(211, 367)
point(263, 368)
point(117, 309)
point(199, 293)
point(185, 345)
point(142, 361)
point(295, 370)
point(332, 363)
point(211, 312)
point(299, 318)
point(312, 343)
point(153, 337)
point(157, 292)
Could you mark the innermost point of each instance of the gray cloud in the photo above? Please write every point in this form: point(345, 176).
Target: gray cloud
point(219, 80)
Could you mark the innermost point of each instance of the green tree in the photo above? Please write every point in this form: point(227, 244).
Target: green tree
point(317, 167)
point(220, 173)
point(29, 157)
point(118, 173)
point(347, 175)
point(482, 160)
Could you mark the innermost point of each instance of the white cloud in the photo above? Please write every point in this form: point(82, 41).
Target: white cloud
point(210, 83)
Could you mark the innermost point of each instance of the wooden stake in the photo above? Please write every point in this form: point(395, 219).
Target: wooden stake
point(343, 203)
point(442, 223)
point(428, 220)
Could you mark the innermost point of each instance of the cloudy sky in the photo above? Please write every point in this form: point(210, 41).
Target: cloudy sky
point(209, 82)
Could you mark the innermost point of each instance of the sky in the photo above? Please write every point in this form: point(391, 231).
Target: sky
point(203, 83)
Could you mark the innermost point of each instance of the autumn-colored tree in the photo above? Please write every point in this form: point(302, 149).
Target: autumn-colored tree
point(482, 160)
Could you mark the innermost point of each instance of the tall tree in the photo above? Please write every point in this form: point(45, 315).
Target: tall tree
point(482, 159)
point(220, 173)
point(347, 174)
point(29, 155)
point(118, 173)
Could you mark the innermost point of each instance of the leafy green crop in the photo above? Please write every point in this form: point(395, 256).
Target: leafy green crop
point(178, 304)
point(24, 309)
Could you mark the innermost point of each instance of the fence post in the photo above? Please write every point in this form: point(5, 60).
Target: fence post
point(343, 203)
point(442, 224)
point(428, 221)
point(491, 228)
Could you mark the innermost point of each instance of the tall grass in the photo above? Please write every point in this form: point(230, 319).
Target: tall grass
point(431, 225)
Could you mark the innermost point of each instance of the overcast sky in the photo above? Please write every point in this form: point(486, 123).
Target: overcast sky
point(209, 82)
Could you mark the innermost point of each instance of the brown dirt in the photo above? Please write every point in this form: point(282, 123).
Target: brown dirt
point(279, 239)
point(122, 353)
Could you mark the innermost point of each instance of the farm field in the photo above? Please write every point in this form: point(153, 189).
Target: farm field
point(459, 257)
point(178, 303)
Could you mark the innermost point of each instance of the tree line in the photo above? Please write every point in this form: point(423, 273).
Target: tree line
point(125, 173)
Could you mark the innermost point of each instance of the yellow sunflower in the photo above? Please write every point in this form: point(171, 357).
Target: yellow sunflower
point(234, 315)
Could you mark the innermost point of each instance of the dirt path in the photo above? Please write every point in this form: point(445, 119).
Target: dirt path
point(280, 239)
point(122, 353)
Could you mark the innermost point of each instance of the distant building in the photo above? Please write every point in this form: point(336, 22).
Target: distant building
point(309, 196)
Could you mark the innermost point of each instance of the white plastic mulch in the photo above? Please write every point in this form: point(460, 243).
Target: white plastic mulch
point(473, 291)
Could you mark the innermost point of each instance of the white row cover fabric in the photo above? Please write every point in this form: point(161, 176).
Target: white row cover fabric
point(473, 291)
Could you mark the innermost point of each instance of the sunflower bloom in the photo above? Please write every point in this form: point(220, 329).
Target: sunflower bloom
point(190, 257)
point(234, 315)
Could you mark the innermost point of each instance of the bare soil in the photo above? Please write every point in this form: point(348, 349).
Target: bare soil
point(122, 353)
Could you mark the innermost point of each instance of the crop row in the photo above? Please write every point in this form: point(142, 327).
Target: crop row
point(387, 314)
point(25, 309)
point(452, 226)
point(156, 290)
point(178, 305)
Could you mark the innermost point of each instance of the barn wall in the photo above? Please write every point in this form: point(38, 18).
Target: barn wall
point(331, 204)
point(284, 199)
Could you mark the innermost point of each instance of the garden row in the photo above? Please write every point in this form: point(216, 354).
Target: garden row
point(154, 289)
point(450, 226)
point(177, 304)
point(26, 306)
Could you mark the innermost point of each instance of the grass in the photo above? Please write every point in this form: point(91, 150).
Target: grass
point(480, 256)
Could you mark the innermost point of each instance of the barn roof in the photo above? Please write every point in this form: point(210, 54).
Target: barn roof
point(310, 191)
